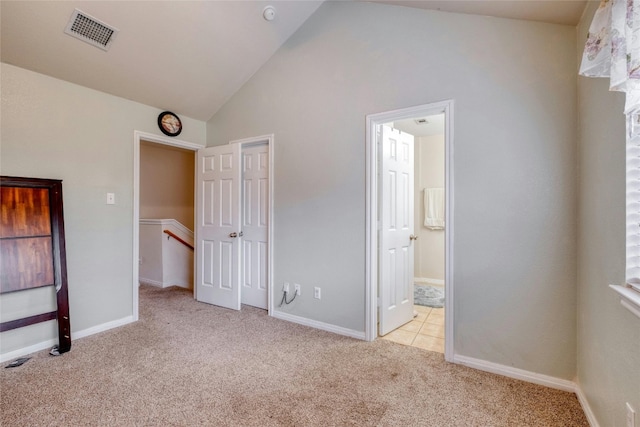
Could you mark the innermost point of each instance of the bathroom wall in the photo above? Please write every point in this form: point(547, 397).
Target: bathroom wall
point(429, 173)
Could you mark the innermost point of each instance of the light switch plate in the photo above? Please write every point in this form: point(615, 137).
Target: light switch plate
point(111, 198)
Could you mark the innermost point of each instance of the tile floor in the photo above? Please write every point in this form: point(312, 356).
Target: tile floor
point(425, 331)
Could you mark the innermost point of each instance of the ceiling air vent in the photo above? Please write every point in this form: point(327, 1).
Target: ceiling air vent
point(90, 30)
point(422, 121)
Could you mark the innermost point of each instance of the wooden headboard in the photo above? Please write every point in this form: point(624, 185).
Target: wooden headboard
point(32, 248)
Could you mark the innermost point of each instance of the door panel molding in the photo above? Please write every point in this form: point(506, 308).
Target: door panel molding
point(269, 140)
point(372, 220)
point(255, 205)
point(397, 225)
point(218, 225)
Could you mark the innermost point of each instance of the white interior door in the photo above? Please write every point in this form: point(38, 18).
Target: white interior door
point(255, 220)
point(218, 226)
point(396, 232)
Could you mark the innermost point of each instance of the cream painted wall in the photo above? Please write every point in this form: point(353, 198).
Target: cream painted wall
point(608, 358)
point(166, 183)
point(429, 173)
point(54, 129)
point(514, 86)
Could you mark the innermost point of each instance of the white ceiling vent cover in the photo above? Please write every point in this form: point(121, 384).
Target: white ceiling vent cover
point(88, 29)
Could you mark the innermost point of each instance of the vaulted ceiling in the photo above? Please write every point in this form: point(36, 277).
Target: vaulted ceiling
point(190, 57)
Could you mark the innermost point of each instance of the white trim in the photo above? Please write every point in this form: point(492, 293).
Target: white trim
point(630, 298)
point(102, 327)
point(150, 137)
point(269, 140)
point(428, 281)
point(43, 345)
point(319, 325)
point(518, 374)
point(150, 282)
point(532, 377)
point(371, 216)
point(449, 350)
point(28, 350)
point(177, 225)
point(157, 284)
point(588, 412)
point(164, 140)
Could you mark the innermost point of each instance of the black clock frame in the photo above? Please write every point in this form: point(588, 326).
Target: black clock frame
point(166, 132)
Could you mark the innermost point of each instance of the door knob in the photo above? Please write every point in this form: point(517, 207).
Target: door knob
point(413, 237)
point(233, 235)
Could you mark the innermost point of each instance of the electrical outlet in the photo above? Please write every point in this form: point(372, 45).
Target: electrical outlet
point(631, 416)
point(285, 288)
point(297, 288)
point(316, 292)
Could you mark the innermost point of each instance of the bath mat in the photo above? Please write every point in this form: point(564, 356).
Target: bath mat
point(428, 296)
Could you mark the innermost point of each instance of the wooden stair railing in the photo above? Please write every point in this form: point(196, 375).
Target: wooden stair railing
point(170, 234)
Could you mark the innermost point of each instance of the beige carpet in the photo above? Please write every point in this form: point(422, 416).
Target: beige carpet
point(187, 364)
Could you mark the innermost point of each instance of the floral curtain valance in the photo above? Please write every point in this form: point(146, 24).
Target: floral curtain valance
point(613, 50)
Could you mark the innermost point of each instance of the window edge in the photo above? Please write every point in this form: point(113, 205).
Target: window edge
point(630, 299)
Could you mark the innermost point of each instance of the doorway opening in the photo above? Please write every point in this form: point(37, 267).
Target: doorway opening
point(166, 215)
point(251, 149)
point(410, 225)
point(140, 138)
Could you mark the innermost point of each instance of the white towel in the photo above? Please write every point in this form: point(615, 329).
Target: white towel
point(434, 208)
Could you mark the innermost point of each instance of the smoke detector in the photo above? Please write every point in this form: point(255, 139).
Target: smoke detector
point(90, 30)
point(269, 13)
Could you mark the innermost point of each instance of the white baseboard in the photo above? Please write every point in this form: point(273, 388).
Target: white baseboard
point(318, 325)
point(532, 377)
point(519, 374)
point(151, 282)
point(588, 412)
point(28, 350)
point(102, 327)
point(158, 284)
point(74, 336)
point(428, 281)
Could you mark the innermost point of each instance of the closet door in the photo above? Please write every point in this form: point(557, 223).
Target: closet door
point(218, 226)
point(255, 221)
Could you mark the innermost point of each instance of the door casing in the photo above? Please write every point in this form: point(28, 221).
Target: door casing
point(139, 136)
point(372, 218)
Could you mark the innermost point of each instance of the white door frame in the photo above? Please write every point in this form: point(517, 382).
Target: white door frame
point(139, 136)
point(371, 218)
point(257, 140)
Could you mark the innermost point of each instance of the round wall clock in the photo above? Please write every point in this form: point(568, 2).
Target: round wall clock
point(169, 123)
